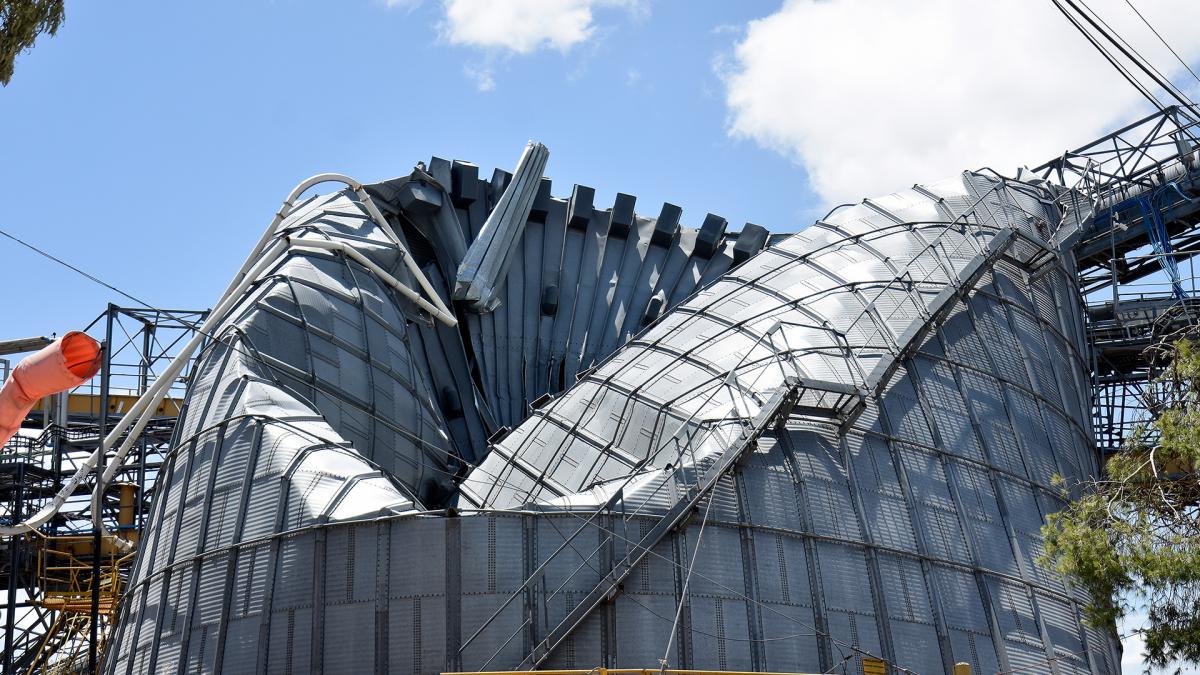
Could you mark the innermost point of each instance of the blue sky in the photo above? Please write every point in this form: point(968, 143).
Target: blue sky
point(151, 142)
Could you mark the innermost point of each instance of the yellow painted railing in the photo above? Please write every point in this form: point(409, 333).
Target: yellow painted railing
point(620, 671)
point(65, 584)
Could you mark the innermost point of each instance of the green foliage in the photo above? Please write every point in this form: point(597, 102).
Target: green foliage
point(21, 22)
point(1136, 531)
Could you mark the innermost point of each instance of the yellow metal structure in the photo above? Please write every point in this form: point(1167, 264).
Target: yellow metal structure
point(89, 404)
point(875, 666)
point(65, 583)
point(127, 514)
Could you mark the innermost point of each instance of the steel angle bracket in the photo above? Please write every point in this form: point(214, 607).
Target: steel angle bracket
point(848, 402)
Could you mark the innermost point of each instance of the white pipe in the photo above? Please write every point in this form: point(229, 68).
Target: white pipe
point(250, 270)
point(401, 287)
point(148, 402)
point(284, 210)
point(372, 210)
point(403, 252)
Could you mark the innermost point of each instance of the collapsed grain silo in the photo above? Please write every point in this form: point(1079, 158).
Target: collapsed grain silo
point(442, 423)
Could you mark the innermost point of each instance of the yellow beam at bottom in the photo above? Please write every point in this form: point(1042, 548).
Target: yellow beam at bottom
point(621, 671)
point(870, 666)
point(873, 666)
point(89, 404)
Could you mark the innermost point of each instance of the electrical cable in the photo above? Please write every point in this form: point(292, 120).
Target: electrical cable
point(1046, 661)
point(1146, 93)
point(815, 632)
point(1163, 40)
point(90, 277)
point(687, 580)
point(633, 598)
point(837, 644)
point(1175, 91)
point(1165, 86)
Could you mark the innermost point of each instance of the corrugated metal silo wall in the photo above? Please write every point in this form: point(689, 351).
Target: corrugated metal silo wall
point(909, 536)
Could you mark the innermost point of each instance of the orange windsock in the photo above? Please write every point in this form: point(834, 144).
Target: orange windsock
point(69, 362)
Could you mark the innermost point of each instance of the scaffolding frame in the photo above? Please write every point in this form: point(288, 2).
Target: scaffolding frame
point(1143, 181)
point(61, 431)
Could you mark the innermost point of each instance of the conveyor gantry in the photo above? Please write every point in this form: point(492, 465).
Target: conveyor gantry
point(1119, 333)
point(1144, 181)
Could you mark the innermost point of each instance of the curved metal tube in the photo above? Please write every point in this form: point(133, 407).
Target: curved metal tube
point(254, 265)
point(140, 413)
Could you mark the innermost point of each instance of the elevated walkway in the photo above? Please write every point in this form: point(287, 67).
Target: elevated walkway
point(1120, 332)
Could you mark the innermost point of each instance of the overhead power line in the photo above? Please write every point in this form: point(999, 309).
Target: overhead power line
point(1130, 54)
point(86, 275)
point(1146, 93)
point(1147, 66)
point(1163, 40)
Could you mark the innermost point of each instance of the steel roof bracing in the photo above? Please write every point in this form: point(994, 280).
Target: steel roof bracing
point(863, 420)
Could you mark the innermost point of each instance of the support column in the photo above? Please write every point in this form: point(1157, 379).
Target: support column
point(97, 544)
point(14, 567)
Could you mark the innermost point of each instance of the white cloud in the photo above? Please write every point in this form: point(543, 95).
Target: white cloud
point(870, 96)
point(482, 75)
point(406, 5)
point(502, 28)
point(522, 26)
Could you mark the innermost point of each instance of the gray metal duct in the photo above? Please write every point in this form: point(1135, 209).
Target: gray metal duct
point(490, 255)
